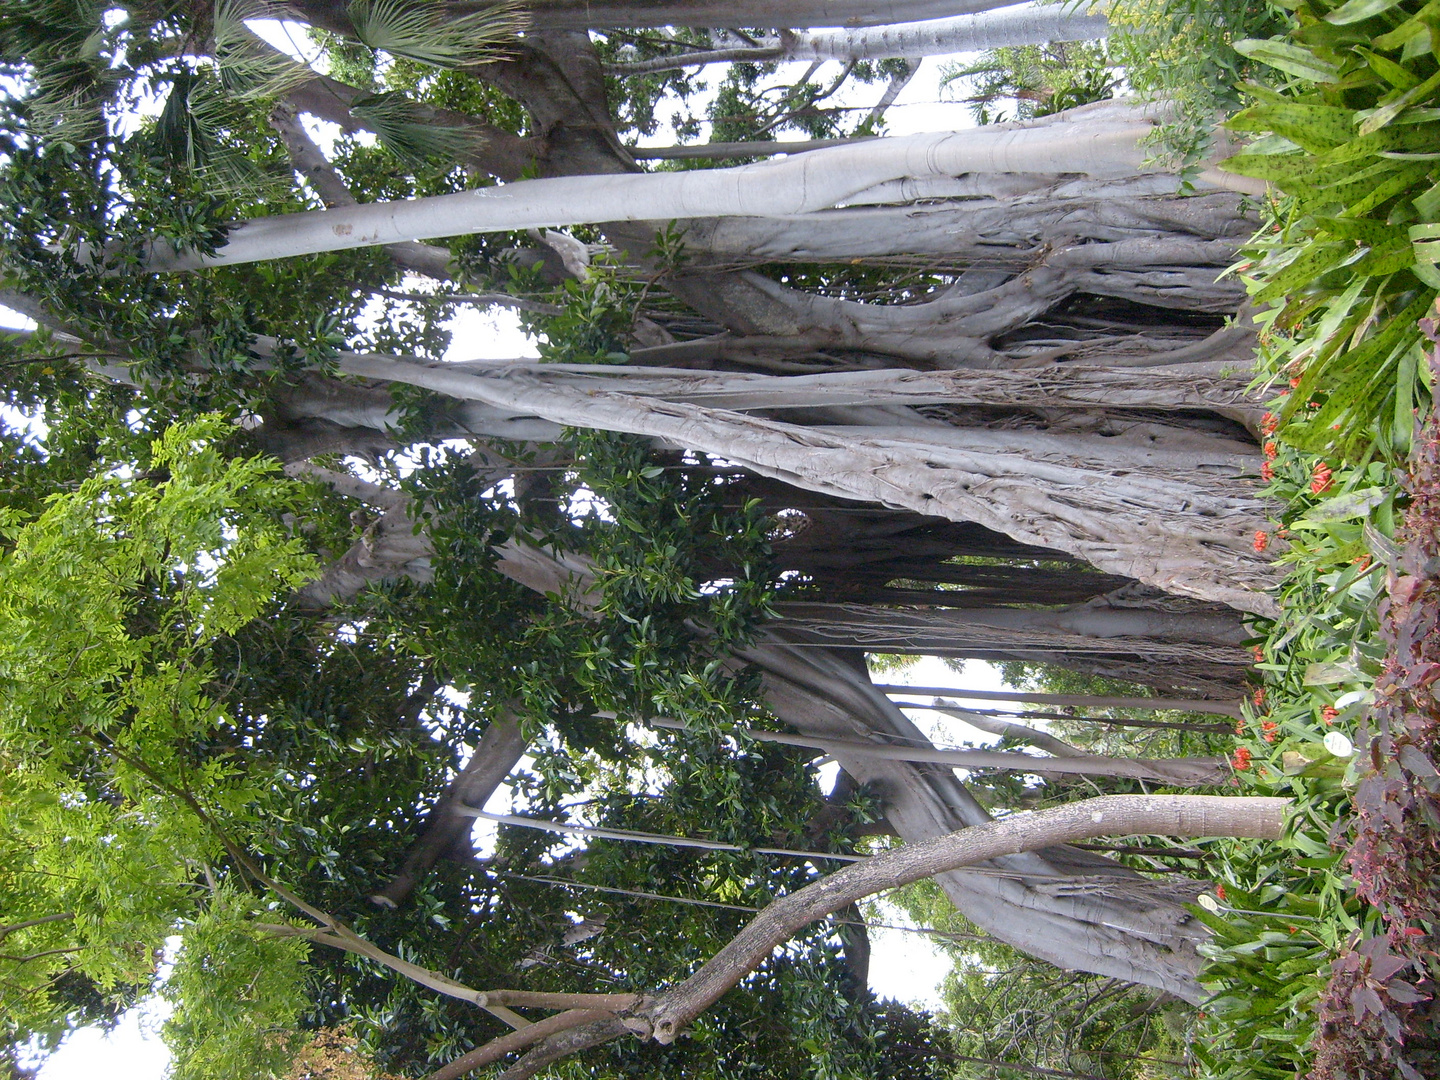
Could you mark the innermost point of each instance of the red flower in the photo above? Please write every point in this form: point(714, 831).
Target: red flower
point(1259, 696)
point(1267, 472)
point(1220, 892)
point(1262, 540)
point(1268, 423)
point(1328, 714)
point(1241, 760)
point(1363, 562)
point(1270, 451)
point(1268, 729)
point(1321, 479)
point(1239, 727)
point(1257, 652)
point(1294, 381)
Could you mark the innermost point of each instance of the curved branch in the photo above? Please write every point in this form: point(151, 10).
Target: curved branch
point(1188, 816)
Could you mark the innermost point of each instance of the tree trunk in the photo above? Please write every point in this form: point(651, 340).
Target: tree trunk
point(600, 14)
point(1022, 24)
point(1179, 530)
point(1060, 904)
point(1100, 142)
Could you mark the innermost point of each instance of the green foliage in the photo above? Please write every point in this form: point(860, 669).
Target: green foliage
point(1285, 913)
point(1181, 52)
point(236, 991)
point(1344, 263)
point(1038, 80)
point(111, 600)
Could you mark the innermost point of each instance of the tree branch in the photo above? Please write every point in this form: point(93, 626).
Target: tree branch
point(498, 751)
point(1188, 816)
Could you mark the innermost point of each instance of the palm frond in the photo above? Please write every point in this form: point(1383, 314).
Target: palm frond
point(421, 32)
point(251, 69)
point(399, 126)
point(194, 131)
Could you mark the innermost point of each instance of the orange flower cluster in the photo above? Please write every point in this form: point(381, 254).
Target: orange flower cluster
point(1321, 479)
point(1328, 714)
point(1268, 423)
point(1270, 451)
point(1267, 472)
point(1262, 540)
point(1268, 729)
point(1241, 760)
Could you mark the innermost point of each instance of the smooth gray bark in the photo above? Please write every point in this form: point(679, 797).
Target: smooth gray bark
point(1098, 142)
point(1020, 24)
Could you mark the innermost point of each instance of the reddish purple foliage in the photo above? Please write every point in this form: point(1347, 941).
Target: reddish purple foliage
point(1380, 1015)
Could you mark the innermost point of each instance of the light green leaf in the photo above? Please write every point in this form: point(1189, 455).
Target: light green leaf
point(1386, 113)
point(1354, 11)
point(1291, 59)
point(1349, 505)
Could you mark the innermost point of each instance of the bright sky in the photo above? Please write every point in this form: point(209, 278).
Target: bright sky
point(905, 966)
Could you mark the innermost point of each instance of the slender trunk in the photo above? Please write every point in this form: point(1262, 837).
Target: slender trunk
point(1087, 701)
point(1114, 815)
point(1022, 24)
point(1096, 142)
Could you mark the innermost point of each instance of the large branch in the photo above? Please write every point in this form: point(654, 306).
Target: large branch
point(1097, 142)
point(1022, 24)
point(1183, 816)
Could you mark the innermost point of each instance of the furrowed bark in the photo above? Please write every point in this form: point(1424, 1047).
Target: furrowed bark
point(1217, 387)
point(1005, 231)
point(1180, 532)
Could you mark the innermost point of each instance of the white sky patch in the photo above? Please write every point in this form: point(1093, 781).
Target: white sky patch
point(933, 671)
point(132, 1050)
point(904, 966)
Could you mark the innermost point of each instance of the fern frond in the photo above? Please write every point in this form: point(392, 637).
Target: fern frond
point(420, 31)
